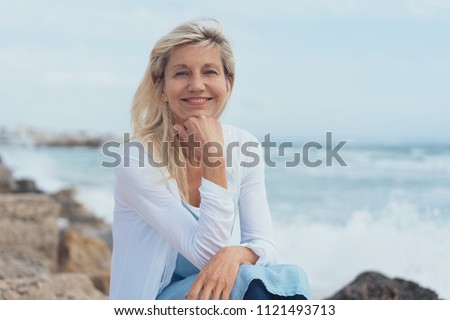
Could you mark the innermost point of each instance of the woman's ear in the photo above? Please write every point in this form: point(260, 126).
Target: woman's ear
point(163, 96)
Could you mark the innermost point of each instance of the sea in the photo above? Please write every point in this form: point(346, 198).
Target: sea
point(386, 210)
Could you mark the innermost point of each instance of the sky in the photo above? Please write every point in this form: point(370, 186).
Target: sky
point(368, 71)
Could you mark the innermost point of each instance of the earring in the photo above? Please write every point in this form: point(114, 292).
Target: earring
point(166, 101)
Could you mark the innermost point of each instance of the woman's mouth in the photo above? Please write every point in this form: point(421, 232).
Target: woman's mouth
point(196, 100)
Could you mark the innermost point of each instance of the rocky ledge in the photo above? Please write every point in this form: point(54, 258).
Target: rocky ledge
point(51, 246)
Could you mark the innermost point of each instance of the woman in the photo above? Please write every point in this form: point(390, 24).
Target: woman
point(177, 202)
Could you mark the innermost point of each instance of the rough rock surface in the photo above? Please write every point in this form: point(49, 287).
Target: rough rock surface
point(72, 209)
point(79, 218)
point(32, 245)
point(22, 262)
point(28, 222)
point(27, 185)
point(375, 286)
point(54, 286)
point(79, 253)
point(85, 254)
point(7, 182)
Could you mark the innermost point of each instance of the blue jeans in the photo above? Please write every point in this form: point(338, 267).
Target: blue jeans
point(286, 281)
point(257, 291)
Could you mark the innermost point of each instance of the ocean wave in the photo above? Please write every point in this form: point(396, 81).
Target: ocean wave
point(398, 240)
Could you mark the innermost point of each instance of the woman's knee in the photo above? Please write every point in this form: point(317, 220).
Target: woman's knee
point(257, 291)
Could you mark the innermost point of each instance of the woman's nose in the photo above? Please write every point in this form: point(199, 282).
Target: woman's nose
point(196, 83)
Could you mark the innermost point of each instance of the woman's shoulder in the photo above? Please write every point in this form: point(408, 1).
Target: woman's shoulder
point(132, 150)
point(134, 157)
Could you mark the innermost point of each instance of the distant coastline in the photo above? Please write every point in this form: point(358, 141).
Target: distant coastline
point(27, 136)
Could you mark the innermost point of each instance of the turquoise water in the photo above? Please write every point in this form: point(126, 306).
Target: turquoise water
point(388, 210)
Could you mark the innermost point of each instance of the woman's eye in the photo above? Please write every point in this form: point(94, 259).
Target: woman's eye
point(210, 71)
point(181, 73)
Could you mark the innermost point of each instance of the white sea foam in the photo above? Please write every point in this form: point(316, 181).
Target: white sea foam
point(398, 241)
point(99, 200)
point(56, 169)
point(35, 164)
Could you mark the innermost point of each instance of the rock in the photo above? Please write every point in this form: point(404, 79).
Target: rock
point(26, 185)
point(80, 218)
point(22, 262)
point(51, 247)
point(7, 183)
point(83, 254)
point(375, 286)
point(29, 221)
point(72, 209)
point(99, 230)
point(80, 253)
point(55, 286)
point(101, 281)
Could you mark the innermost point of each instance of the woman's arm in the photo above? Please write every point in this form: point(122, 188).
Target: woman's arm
point(146, 191)
point(216, 279)
point(255, 219)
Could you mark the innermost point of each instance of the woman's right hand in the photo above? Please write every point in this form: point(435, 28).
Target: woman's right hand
point(216, 280)
point(204, 139)
point(206, 128)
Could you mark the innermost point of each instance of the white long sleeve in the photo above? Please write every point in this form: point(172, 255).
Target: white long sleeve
point(151, 225)
point(146, 192)
point(255, 219)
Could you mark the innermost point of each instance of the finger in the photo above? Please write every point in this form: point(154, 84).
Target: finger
point(219, 287)
point(191, 125)
point(206, 293)
point(216, 293)
point(199, 124)
point(214, 287)
point(181, 130)
point(192, 131)
point(195, 289)
point(192, 295)
point(226, 293)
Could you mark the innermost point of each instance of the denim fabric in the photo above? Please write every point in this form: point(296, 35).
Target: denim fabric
point(285, 281)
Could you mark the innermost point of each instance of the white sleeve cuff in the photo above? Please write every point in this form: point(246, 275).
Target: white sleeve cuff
point(263, 258)
point(209, 188)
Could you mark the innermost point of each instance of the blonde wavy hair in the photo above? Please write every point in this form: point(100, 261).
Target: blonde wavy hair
point(151, 117)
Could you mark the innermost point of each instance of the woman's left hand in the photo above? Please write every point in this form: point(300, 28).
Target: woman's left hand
point(216, 280)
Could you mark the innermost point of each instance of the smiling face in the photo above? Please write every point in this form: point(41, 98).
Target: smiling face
point(194, 83)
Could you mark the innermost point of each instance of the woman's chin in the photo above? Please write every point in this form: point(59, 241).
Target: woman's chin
point(197, 115)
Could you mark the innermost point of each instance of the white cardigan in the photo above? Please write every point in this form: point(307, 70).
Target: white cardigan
point(151, 225)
